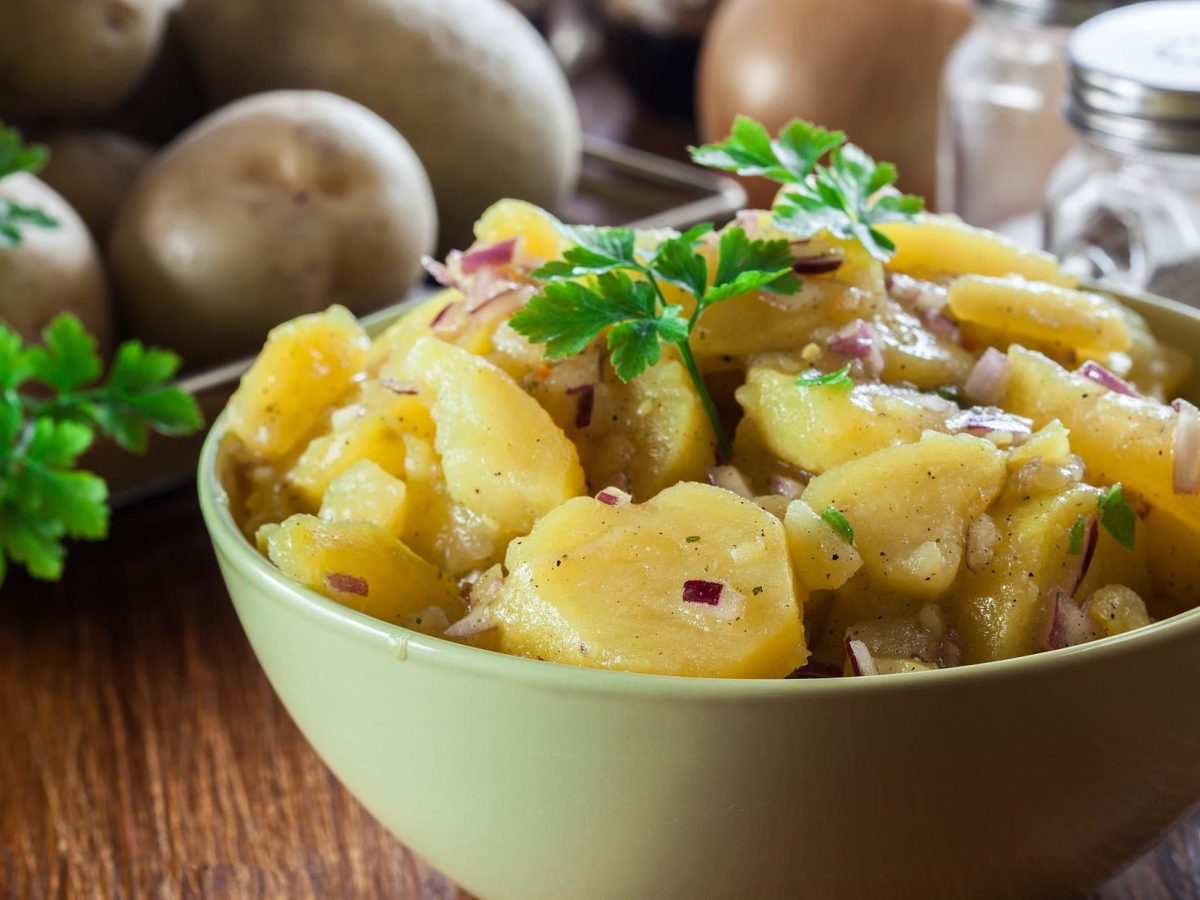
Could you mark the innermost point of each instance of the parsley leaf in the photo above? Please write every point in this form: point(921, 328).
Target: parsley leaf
point(1075, 536)
point(17, 156)
point(44, 498)
point(749, 150)
point(816, 378)
point(1116, 516)
point(839, 523)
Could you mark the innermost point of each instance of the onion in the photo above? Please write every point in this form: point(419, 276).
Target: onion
point(913, 293)
point(1185, 474)
point(1069, 624)
point(981, 420)
point(1093, 371)
point(816, 670)
point(347, 584)
point(951, 654)
point(786, 487)
point(729, 478)
point(707, 592)
point(986, 382)
point(585, 403)
point(1082, 562)
point(502, 302)
point(749, 221)
point(857, 340)
point(440, 272)
point(396, 386)
point(941, 325)
point(820, 263)
point(614, 496)
point(482, 597)
point(498, 254)
point(450, 318)
point(982, 538)
point(861, 661)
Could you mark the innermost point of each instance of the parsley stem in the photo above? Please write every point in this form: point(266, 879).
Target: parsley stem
point(724, 446)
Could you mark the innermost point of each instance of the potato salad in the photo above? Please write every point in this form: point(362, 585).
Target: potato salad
point(837, 437)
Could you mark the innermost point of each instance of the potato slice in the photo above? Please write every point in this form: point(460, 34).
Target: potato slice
point(502, 454)
point(604, 586)
point(910, 507)
point(306, 366)
point(913, 355)
point(1030, 311)
point(362, 566)
point(933, 247)
point(366, 493)
point(532, 225)
point(397, 339)
point(819, 427)
point(821, 558)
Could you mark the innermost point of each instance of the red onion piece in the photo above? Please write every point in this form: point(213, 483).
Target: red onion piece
point(951, 654)
point(820, 264)
point(941, 325)
point(729, 478)
point(981, 420)
point(855, 340)
point(396, 386)
point(1069, 624)
point(912, 293)
point(1185, 474)
point(450, 319)
point(1083, 561)
point(347, 584)
point(440, 273)
point(498, 254)
point(503, 302)
point(816, 670)
point(1093, 371)
point(583, 406)
point(699, 591)
point(861, 661)
point(986, 382)
point(613, 496)
point(786, 487)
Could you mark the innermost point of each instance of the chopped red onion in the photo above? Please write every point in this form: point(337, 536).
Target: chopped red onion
point(855, 340)
point(396, 386)
point(449, 318)
point(1083, 560)
point(698, 591)
point(583, 406)
point(498, 254)
point(1093, 371)
point(941, 325)
point(861, 661)
point(347, 584)
point(1069, 624)
point(731, 479)
point(786, 487)
point(502, 302)
point(981, 420)
point(816, 670)
point(440, 272)
point(912, 293)
point(986, 382)
point(951, 654)
point(819, 264)
point(1185, 475)
point(613, 496)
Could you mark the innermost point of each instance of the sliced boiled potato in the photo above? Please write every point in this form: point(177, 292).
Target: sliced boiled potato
point(1046, 314)
point(818, 427)
point(397, 339)
point(362, 566)
point(305, 367)
point(933, 247)
point(502, 455)
point(535, 228)
point(912, 355)
point(366, 493)
point(608, 587)
point(821, 557)
point(910, 507)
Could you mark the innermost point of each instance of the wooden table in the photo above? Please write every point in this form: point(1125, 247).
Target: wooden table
point(143, 754)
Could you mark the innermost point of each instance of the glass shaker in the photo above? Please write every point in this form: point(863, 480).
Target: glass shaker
point(1124, 205)
point(1002, 130)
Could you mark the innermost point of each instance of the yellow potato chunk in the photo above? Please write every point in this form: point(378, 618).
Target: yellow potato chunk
point(1002, 609)
point(306, 366)
point(1115, 609)
point(821, 557)
point(362, 566)
point(366, 493)
point(535, 227)
point(397, 339)
point(642, 435)
point(371, 426)
point(933, 247)
point(1048, 315)
point(604, 586)
point(816, 428)
point(913, 355)
point(501, 453)
point(910, 507)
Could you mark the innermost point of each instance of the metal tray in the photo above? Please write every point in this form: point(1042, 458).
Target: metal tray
point(617, 185)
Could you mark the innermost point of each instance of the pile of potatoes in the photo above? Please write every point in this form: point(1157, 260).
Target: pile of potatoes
point(217, 168)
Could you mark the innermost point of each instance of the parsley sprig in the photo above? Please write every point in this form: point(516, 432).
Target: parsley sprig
point(847, 196)
point(17, 156)
point(605, 281)
point(1116, 515)
point(52, 405)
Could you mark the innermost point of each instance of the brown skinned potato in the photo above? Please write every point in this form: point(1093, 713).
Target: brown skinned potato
point(276, 205)
point(469, 83)
point(74, 57)
point(54, 270)
point(93, 170)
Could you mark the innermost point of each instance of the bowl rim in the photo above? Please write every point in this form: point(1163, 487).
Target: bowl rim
point(404, 643)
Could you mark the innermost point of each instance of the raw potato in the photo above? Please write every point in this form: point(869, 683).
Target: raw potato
point(274, 206)
point(74, 57)
point(469, 83)
point(54, 270)
point(93, 171)
point(602, 586)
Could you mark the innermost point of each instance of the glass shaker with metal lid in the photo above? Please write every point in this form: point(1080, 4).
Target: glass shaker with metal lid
point(1124, 205)
point(1002, 130)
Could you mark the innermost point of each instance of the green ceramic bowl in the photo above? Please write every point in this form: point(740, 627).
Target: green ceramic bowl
point(1034, 777)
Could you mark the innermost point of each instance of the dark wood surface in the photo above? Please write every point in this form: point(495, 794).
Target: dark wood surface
point(143, 754)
